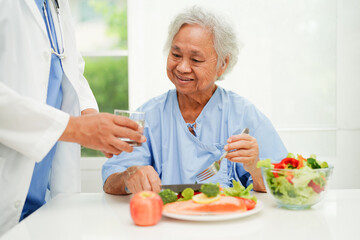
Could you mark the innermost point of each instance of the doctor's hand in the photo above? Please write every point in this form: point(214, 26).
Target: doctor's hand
point(101, 131)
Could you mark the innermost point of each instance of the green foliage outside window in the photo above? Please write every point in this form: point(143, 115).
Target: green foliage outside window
point(108, 79)
point(108, 76)
point(115, 14)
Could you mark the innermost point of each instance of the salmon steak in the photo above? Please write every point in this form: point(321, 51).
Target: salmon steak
point(224, 205)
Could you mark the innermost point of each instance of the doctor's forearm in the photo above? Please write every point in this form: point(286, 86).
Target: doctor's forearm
point(89, 111)
point(69, 135)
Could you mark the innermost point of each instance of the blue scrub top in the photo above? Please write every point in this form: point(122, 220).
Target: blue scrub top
point(178, 156)
point(40, 179)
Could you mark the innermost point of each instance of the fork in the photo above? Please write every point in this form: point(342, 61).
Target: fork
point(215, 166)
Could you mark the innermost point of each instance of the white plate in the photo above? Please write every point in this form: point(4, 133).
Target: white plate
point(216, 217)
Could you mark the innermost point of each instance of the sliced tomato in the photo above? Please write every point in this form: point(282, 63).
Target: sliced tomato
point(180, 195)
point(250, 204)
point(316, 187)
point(289, 177)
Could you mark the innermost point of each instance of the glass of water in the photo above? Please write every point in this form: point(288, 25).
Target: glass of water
point(138, 117)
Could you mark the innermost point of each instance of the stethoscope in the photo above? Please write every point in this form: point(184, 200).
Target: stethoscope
point(61, 54)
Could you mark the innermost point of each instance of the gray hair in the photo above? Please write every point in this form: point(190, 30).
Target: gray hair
point(225, 40)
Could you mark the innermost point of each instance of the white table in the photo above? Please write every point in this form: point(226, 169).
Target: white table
point(102, 216)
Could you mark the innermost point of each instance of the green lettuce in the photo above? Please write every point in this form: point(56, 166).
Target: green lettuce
point(266, 163)
point(237, 190)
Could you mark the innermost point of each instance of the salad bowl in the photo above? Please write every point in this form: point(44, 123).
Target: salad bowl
point(296, 183)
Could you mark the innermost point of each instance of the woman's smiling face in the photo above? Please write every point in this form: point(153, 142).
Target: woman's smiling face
point(191, 63)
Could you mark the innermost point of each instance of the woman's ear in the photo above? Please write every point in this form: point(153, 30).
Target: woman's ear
point(223, 67)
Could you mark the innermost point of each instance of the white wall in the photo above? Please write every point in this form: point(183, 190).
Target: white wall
point(91, 180)
point(348, 97)
point(287, 65)
point(300, 64)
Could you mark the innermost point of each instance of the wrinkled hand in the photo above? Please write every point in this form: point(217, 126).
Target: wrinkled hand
point(101, 131)
point(142, 178)
point(243, 148)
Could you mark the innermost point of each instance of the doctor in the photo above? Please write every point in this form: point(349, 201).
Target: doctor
point(44, 98)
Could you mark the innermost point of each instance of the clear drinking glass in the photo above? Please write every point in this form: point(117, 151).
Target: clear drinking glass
point(138, 117)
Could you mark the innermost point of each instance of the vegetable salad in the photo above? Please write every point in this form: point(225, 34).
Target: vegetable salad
point(296, 180)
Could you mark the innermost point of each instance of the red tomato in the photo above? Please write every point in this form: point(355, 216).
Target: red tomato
point(250, 204)
point(146, 208)
point(180, 196)
point(316, 187)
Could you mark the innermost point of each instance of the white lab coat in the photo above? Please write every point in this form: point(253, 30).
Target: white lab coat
point(28, 127)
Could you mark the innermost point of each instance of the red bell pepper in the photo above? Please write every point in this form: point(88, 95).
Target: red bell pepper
point(285, 164)
point(279, 165)
point(294, 163)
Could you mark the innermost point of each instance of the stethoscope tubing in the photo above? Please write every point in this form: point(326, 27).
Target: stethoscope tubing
point(61, 54)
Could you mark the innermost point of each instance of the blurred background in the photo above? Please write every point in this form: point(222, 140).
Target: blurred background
point(299, 64)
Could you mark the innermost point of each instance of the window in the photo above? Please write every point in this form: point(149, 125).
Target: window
point(101, 30)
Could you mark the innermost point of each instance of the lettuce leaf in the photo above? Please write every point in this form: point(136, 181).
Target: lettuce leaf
point(239, 191)
point(264, 163)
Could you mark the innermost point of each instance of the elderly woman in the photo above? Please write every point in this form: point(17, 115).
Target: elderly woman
point(190, 127)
